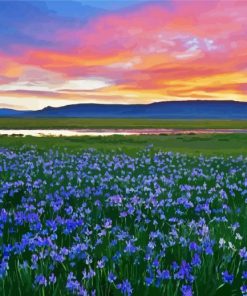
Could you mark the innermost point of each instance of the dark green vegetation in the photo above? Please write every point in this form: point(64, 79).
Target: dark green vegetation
point(226, 144)
point(74, 123)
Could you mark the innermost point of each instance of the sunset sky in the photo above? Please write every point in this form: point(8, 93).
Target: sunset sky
point(57, 53)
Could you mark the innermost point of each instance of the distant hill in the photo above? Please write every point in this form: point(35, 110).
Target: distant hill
point(9, 112)
point(169, 110)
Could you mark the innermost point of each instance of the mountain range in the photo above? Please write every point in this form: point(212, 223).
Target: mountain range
point(159, 110)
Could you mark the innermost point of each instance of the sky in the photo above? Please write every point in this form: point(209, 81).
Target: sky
point(55, 53)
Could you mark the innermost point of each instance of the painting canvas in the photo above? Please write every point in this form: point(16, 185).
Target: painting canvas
point(123, 147)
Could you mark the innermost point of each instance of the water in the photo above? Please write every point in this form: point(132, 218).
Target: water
point(110, 132)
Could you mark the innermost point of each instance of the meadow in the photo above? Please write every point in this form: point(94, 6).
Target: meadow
point(97, 123)
point(124, 218)
point(207, 144)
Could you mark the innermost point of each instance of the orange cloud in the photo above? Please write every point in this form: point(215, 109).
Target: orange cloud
point(193, 49)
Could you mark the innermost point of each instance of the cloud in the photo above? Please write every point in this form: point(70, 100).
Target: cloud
point(68, 85)
point(85, 84)
point(145, 52)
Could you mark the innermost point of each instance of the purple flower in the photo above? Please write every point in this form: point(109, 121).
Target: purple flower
point(186, 290)
point(125, 287)
point(123, 214)
point(244, 275)
point(196, 260)
point(155, 263)
point(101, 264)
point(175, 266)
point(164, 274)
point(72, 284)
point(52, 278)
point(115, 199)
point(88, 275)
point(3, 268)
point(149, 281)
point(227, 277)
point(244, 290)
point(184, 272)
point(130, 248)
point(108, 223)
point(209, 250)
point(111, 277)
point(193, 246)
point(91, 274)
point(41, 280)
point(243, 253)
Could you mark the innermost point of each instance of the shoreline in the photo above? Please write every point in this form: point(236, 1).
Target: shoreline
point(111, 132)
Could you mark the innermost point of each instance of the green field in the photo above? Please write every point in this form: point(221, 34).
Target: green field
point(98, 223)
point(46, 183)
point(225, 144)
point(77, 123)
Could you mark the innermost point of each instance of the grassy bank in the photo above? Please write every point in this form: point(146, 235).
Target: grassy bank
point(78, 123)
point(233, 144)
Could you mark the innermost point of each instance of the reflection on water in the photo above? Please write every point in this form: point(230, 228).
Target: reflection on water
point(65, 133)
point(110, 132)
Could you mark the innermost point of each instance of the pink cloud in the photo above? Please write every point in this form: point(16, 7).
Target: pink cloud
point(153, 48)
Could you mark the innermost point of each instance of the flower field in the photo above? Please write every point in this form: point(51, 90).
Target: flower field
point(97, 223)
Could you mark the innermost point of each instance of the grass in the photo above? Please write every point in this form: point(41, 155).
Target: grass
point(64, 214)
point(223, 144)
point(75, 123)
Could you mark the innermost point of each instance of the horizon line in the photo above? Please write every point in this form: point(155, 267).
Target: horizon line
point(125, 104)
